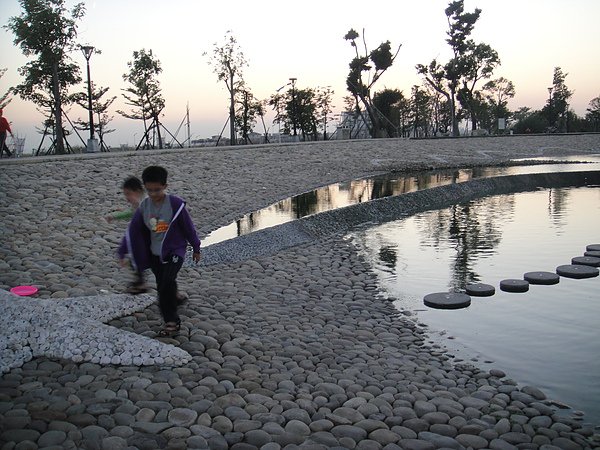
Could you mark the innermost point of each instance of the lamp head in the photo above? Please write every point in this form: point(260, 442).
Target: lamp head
point(87, 51)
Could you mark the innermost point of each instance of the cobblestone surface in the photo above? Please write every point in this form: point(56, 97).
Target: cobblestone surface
point(295, 349)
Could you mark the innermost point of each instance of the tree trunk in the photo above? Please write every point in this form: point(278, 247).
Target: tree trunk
point(60, 138)
point(160, 143)
point(231, 111)
point(455, 130)
point(374, 128)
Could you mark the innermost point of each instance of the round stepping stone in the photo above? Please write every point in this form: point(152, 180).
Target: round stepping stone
point(541, 278)
point(594, 253)
point(513, 285)
point(593, 248)
point(447, 300)
point(480, 289)
point(586, 261)
point(577, 271)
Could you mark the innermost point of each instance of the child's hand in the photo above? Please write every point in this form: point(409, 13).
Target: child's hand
point(109, 219)
point(123, 262)
point(196, 257)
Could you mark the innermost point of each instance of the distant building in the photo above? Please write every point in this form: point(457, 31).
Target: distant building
point(351, 126)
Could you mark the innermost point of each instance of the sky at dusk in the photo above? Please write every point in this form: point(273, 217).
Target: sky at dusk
point(305, 40)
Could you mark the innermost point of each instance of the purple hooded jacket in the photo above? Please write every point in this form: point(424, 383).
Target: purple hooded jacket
point(136, 241)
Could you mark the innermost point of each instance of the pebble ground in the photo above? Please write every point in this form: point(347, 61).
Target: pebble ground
point(294, 350)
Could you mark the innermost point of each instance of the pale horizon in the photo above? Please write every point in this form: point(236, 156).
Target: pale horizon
point(532, 37)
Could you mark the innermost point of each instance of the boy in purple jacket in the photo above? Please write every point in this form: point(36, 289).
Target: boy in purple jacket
point(157, 238)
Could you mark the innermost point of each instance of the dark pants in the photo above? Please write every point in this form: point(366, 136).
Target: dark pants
point(3, 147)
point(166, 285)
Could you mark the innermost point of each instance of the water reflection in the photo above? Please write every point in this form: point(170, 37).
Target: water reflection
point(358, 191)
point(472, 230)
point(554, 329)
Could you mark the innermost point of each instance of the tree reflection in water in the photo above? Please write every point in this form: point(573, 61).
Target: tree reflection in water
point(472, 229)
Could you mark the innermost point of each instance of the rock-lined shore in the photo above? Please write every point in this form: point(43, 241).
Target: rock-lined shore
point(293, 350)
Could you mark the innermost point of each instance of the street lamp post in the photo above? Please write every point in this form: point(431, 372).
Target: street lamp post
point(92, 143)
point(293, 81)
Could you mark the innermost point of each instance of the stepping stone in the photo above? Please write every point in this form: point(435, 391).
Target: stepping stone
point(577, 271)
point(480, 290)
point(593, 248)
point(541, 278)
point(447, 300)
point(512, 285)
point(586, 261)
point(594, 253)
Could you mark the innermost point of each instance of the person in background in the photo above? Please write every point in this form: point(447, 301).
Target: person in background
point(157, 238)
point(4, 127)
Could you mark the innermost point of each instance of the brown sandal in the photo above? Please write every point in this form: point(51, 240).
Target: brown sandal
point(170, 329)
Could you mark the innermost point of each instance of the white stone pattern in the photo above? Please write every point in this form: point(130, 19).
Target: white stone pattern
point(74, 328)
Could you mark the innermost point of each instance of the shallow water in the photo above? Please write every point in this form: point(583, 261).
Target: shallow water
point(352, 192)
point(547, 337)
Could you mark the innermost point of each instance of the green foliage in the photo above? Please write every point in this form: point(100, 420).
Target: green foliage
point(307, 109)
point(593, 114)
point(46, 30)
point(493, 103)
point(99, 107)
point(460, 26)
point(393, 108)
point(4, 98)
point(556, 110)
point(471, 62)
point(228, 63)
point(530, 122)
point(365, 71)
point(144, 95)
point(323, 108)
point(248, 111)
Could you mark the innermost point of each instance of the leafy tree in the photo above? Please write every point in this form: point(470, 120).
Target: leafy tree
point(578, 124)
point(276, 101)
point(593, 114)
point(247, 112)
point(47, 31)
point(303, 107)
point(528, 121)
point(441, 115)
point(144, 95)
point(228, 63)
point(497, 93)
point(365, 71)
point(4, 98)
point(420, 112)
point(323, 103)
point(479, 61)
point(470, 63)
point(387, 104)
point(100, 108)
point(556, 110)
point(306, 109)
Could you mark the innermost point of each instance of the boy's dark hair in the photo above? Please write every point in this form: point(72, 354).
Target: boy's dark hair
point(155, 174)
point(133, 184)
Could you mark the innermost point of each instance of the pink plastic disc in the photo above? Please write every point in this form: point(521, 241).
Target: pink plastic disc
point(24, 290)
